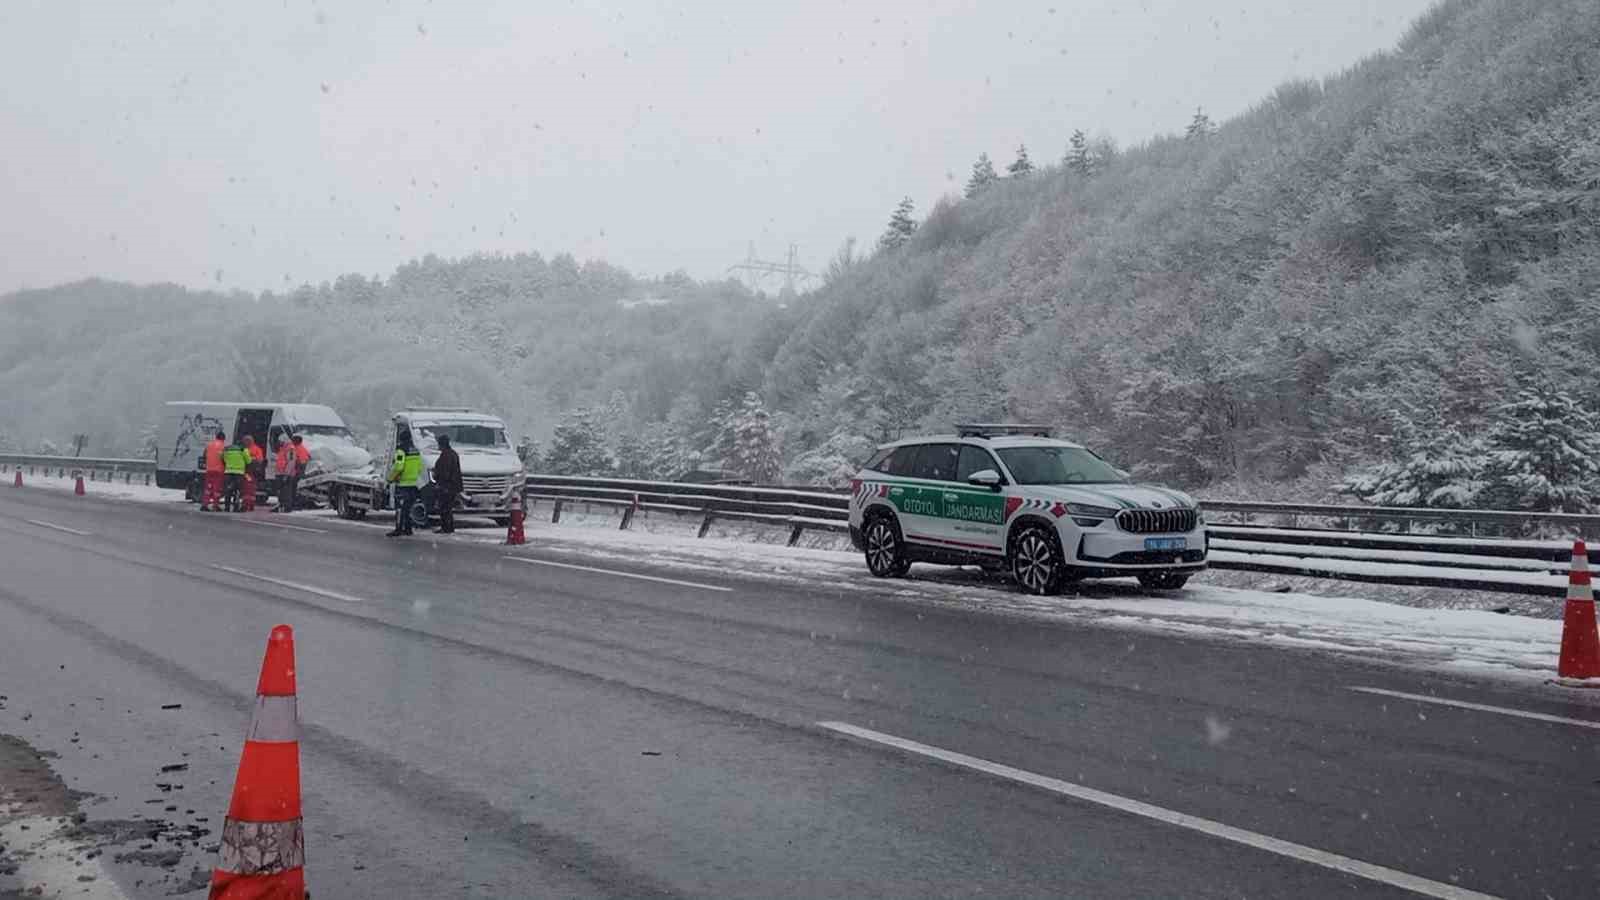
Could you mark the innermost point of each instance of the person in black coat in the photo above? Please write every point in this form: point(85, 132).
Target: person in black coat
point(446, 484)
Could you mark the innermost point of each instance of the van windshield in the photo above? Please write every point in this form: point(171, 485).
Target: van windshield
point(330, 430)
point(464, 435)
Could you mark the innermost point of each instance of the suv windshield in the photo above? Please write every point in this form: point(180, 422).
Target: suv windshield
point(1058, 465)
point(465, 435)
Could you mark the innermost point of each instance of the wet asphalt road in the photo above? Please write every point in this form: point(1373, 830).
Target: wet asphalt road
point(477, 726)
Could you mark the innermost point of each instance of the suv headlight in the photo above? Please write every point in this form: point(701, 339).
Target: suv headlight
point(1091, 512)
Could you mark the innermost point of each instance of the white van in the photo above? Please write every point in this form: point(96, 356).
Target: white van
point(491, 472)
point(185, 426)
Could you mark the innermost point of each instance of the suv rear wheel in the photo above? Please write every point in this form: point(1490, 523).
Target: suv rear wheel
point(885, 550)
point(1163, 581)
point(1036, 561)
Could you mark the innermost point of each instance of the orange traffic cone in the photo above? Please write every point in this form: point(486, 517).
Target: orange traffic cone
point(78, 488)
point(263, 841)
point(514, 534)
point(1580, 640)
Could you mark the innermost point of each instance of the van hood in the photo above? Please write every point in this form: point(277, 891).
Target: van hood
point(338, 454)
point(1114, 496)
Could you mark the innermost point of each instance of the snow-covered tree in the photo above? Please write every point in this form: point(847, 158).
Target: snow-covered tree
point(901, 226)
point(983, 175)
point(1200, 126)
point(834, 462)
point(578, 446)
point(1543, 453)
point(1445, 472)
point(1080, 160)
point(663, 452)
point(755, 449)
point(528, 452)
point(1022, 165)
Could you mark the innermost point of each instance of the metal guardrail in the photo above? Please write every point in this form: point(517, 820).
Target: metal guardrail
point(95, 468)
point(1486, 564)
point(1578, 524)
point(801, 510)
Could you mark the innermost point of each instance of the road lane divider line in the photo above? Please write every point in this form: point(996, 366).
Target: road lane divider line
point(1480, 707)
point(56, 527)
point(619, 574)
point(281, 525)
point(1372, 872)
point(292, 585)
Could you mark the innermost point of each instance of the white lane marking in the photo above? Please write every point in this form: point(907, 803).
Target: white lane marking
point(281, 525)
point(292, 585)
point(545, 562)
point(1481, 707)
point(1415, 883)
point(58, 527)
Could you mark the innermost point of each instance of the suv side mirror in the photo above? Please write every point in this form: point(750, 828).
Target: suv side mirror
point(988, 478)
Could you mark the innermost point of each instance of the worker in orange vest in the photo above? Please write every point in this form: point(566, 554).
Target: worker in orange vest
point(255, 469)
point(284, 461)
point(211, 500)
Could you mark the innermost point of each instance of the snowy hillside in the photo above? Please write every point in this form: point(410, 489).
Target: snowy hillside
point(1356, 273)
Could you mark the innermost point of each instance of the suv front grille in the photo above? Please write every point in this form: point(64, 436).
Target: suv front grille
point(1157, 521)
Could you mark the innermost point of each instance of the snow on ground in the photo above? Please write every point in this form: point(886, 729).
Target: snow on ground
point(137, 490)
point(1463, 640)
point(1431, 634)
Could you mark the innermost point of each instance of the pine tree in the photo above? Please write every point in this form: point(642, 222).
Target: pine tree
point(755, 450)
point(1079, 160)
point(1543, 454)
point(528, 452)
point(983, 175)
point(1022, 165)
point(901, 226)
point(1200, 126)
point(718, 437)
point(578, 446)
point(663, 453)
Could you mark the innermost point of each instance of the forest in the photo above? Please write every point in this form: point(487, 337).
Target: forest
point(1384, 283)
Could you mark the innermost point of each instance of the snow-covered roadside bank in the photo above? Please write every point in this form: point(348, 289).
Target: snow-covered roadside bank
point(1469, 641)
point(115, 490)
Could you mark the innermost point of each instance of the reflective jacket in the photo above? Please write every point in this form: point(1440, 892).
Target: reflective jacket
point(301, 455)
point(234, 459)
point(214, 455)
point(285, 453)
point(407, 468)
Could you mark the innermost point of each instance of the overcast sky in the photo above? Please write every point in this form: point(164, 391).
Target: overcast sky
point(266, 144)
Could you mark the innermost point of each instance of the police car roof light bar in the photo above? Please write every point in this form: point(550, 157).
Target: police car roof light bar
point(993, 429)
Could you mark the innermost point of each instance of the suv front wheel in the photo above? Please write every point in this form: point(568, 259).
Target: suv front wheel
point(1036, 561)
point(886, 552)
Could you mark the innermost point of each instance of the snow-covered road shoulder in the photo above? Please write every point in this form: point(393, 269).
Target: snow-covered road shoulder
point(1463, 641)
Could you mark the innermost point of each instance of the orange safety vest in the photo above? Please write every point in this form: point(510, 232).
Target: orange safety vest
point(301, 454)
point(283, 458)
point(214, 455)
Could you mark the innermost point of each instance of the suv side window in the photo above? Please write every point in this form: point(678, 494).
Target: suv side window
point(902, 462)
point(937, 462)
point(878, 460)
point(973, 460)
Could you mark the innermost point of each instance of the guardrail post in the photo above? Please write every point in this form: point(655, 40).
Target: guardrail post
point(555, 514)
point(794, 534)
point(627, 517)
point(705, 524)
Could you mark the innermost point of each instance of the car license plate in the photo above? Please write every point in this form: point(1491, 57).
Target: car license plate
point(1166, 543)
point(484, 499)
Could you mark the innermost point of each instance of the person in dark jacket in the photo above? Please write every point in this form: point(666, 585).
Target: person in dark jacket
point(446, 484)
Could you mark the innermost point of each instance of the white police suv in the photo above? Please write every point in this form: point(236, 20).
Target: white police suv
point(1049, 510)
